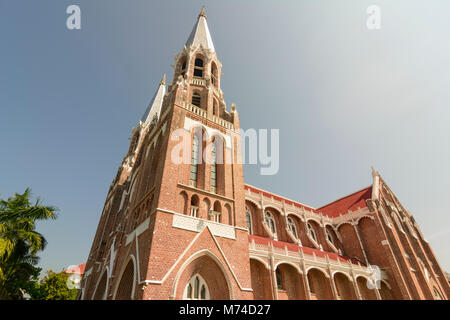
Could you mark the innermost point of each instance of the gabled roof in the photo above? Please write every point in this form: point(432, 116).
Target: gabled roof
point(154, 107)
point(334, 209)
point(350, 202)
point(200, 34)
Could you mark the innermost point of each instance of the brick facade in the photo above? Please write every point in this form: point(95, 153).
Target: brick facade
point(173, 230)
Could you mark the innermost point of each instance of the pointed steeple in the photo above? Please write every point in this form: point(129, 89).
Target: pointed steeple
point(200, 33)
point(154, 108)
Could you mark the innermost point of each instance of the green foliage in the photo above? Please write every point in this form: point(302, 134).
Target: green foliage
point(20, 243)
point(53, 287)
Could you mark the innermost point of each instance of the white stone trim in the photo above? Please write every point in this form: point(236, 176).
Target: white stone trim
point(138, 231)
point(288, 263)
point(265, 263)
point(195, 224)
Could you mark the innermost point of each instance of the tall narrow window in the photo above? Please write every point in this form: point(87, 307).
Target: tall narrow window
point(194, 161)
point(329, 236)
point(270, 222)
point(196, 286)
point(279, 279)
point(194, 206)
point(311, 231)
point(196, 289)
point(292, 228)
point(213, 167)
point(198, 68)
point(196, 99)
point(249, 221)
point(189, 290)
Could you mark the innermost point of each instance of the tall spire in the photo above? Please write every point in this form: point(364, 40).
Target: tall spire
point(200, 33)
point(154, 107)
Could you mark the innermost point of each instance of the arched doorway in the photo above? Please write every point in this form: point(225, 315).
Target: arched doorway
point(125, 289)
point(344, 287)
point(289, 283)
point(319, 285)
point(203, 272)
point(260, 277)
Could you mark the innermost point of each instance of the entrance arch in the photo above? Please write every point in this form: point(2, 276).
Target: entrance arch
point(126, 286)
point(210, 271)
point(344, 287)
point(260, 277)
point(319, 285)
point(292, 287)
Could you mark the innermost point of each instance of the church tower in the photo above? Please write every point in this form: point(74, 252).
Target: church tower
point(174, 223)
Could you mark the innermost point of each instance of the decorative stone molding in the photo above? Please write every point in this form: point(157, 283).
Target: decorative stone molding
point(185, 222)
point(136, 232)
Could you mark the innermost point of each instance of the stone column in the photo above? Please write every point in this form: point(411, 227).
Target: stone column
point(355, 285)
point(305, 276)
point(273, 273)
point(332, 284)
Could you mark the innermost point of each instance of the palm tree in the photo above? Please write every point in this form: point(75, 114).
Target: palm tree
point(19, 242)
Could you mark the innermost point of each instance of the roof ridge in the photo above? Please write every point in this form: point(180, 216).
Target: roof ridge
point(305, 205)
point(346, 196)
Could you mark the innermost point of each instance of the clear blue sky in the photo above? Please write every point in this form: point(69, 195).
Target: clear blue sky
point(343, 97)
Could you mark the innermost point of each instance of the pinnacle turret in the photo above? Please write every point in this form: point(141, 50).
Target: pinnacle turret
point(154, 107)
point(200, 34)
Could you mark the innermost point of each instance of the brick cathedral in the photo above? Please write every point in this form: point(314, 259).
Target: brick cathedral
point(195, 230)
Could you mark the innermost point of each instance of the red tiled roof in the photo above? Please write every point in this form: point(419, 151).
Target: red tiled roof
point(79, 269)
point(333, 209)
point(296, 248)
point(348, 203)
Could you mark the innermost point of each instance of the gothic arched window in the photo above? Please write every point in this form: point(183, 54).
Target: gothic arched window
point(194, 161)
point(270, 222)
point(248, 216)
point(292, 228)
point(311, 231)
point(194, 206)
point(279, 279)
point(198, 68)
point(196, 289)
point(329, 236)
point(213, 166)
